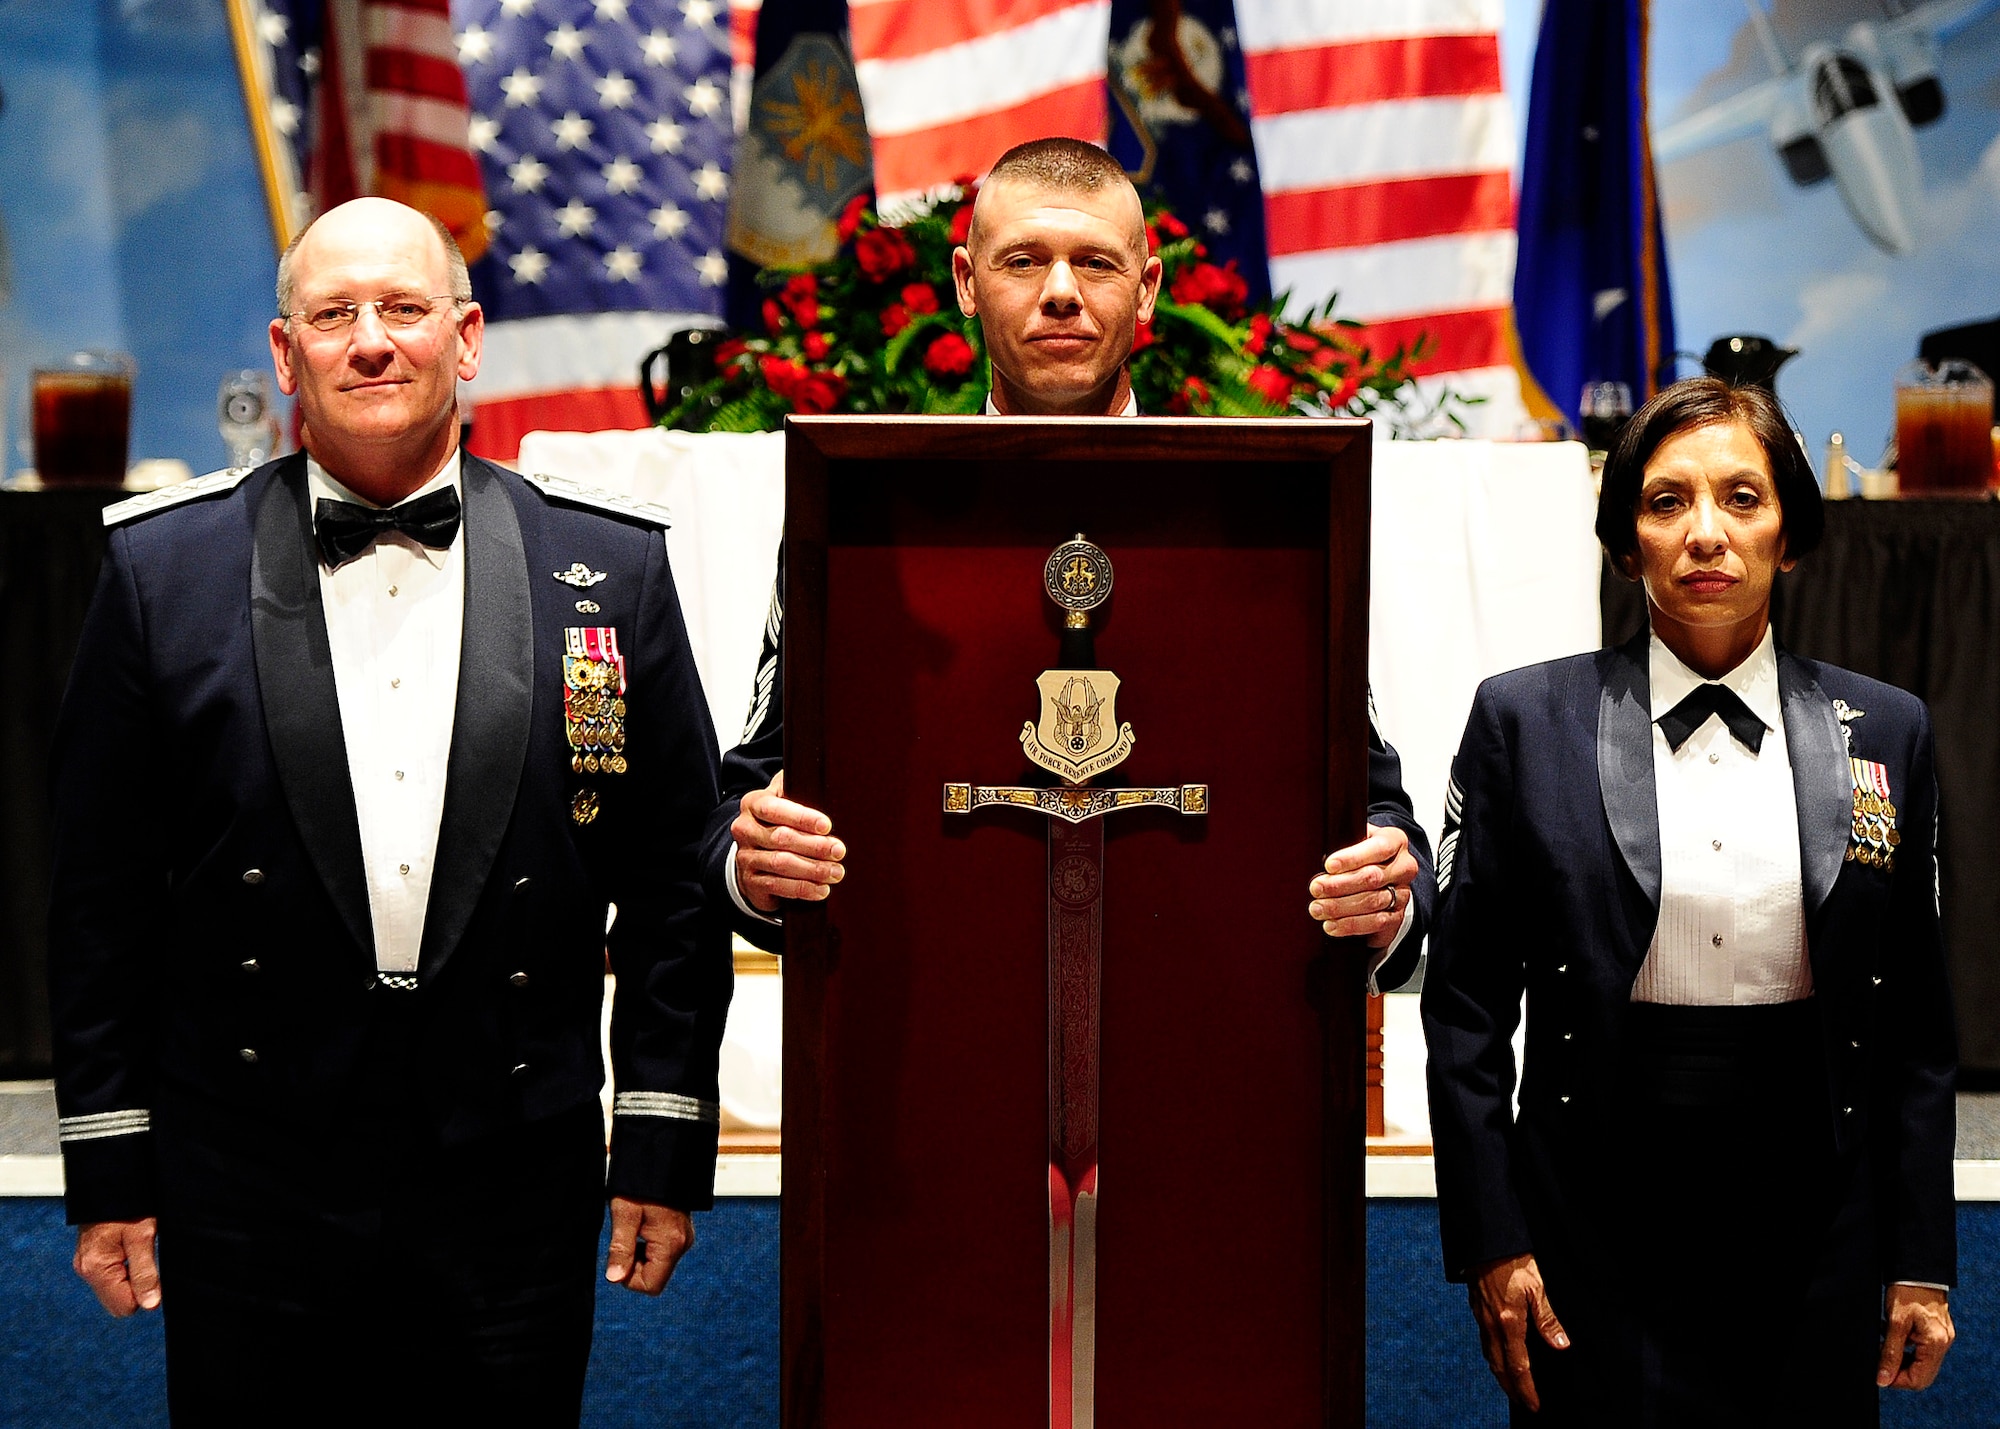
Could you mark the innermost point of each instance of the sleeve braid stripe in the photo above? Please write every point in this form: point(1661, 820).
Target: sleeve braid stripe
point(767, 667)
point(99, 1125)
point(1447, 853)
point(671, 1105)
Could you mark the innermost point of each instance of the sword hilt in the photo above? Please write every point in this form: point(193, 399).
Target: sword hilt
point(1075, 803)
point(1079, 642)
point(1077, 578)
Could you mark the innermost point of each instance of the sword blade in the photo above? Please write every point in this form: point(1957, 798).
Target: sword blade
point(1083, 1318)
point(1076, 930)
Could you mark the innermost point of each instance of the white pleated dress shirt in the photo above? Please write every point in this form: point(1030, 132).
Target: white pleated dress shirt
point(395, 619)
point(1732, 906)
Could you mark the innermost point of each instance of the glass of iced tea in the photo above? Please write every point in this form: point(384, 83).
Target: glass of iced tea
point(1944, 428)
point(82, 418)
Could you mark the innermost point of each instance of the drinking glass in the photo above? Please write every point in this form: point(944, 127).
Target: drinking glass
point(1944, 422)
point(82, 418)
point(1605, 409)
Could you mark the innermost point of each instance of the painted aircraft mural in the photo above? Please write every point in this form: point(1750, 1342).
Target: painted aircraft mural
point(1845, 110)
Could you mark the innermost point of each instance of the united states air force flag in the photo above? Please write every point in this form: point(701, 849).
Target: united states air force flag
point(804, 151)
point(603, 129)
point(1180, 123)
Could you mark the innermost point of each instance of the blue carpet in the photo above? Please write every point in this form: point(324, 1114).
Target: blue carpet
point(705, 1355)
point(1425, 1371)
point(702, 1356)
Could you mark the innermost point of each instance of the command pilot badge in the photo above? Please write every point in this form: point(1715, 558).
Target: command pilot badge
point(1874, 837)
point(579, 575)
point(594, 700)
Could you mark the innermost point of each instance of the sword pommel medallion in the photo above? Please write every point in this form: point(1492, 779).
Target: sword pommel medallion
point(1077, 578)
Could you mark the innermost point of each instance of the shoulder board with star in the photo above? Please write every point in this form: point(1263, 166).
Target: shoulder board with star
point(216, 483)
point(575, 493)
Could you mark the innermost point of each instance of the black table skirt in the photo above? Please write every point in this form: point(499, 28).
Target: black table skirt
point(51, 544)
point(1909, 592)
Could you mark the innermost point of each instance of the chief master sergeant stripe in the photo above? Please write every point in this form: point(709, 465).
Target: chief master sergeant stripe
point(99, 1125)
point(671, 1105)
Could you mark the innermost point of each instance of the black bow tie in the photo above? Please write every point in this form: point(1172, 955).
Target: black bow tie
point(345, 530)
point(1705, 700)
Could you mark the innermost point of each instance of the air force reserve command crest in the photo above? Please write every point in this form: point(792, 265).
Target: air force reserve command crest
point(1078, 736)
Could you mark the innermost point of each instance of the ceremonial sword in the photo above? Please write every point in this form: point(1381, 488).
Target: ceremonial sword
point(1071, 741)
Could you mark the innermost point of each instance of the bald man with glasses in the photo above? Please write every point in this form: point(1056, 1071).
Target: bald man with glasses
point(359, 752)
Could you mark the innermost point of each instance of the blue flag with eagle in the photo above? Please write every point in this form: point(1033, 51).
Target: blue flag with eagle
point(603, 130)
point(1180, 124)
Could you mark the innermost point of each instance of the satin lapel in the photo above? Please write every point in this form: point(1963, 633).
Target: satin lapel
point(489, 737)
point(1822, 779)
point(1625, 763)
point(301, 705)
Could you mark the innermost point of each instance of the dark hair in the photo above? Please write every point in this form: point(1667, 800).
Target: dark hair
point(1706, 402)
point(1065, 165)
point(1061, 166)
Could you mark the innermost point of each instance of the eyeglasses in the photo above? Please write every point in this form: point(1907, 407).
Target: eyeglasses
point(396, 310)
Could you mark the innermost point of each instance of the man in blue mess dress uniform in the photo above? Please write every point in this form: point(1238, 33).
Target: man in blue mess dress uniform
point(360, 750)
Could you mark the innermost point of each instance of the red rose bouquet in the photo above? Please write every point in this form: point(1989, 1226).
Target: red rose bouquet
point(877, 329)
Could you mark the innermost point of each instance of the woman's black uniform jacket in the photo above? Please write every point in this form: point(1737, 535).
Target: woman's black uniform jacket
point(1549, 878)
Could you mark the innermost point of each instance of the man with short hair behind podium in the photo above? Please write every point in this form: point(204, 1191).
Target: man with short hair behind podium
point(1057, 269)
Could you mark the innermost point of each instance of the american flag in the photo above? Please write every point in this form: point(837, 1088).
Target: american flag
point(1383, 138)
point(949, 88)
point(365, 97)
point(1386, 147)
point(603, 128)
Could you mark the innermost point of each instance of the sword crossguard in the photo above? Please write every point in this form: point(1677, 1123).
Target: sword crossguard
point(1073, 804)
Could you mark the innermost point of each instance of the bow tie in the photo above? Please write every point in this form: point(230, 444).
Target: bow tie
point(1702, 701)
point(344, 530)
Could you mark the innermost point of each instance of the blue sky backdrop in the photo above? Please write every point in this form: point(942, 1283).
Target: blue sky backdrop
point(133, 211)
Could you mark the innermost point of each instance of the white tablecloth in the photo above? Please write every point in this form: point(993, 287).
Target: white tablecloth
point(1483, 560)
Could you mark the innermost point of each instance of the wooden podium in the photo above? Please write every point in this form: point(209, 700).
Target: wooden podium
point(917, 1206)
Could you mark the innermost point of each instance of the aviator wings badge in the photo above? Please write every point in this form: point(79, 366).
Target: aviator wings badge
point(579, 575)
point(1847, 715)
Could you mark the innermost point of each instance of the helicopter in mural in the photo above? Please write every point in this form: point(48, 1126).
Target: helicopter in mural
point(1846, 110)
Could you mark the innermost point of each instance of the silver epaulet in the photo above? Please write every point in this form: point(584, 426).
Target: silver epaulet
point(561, 488)
point(147, 502)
